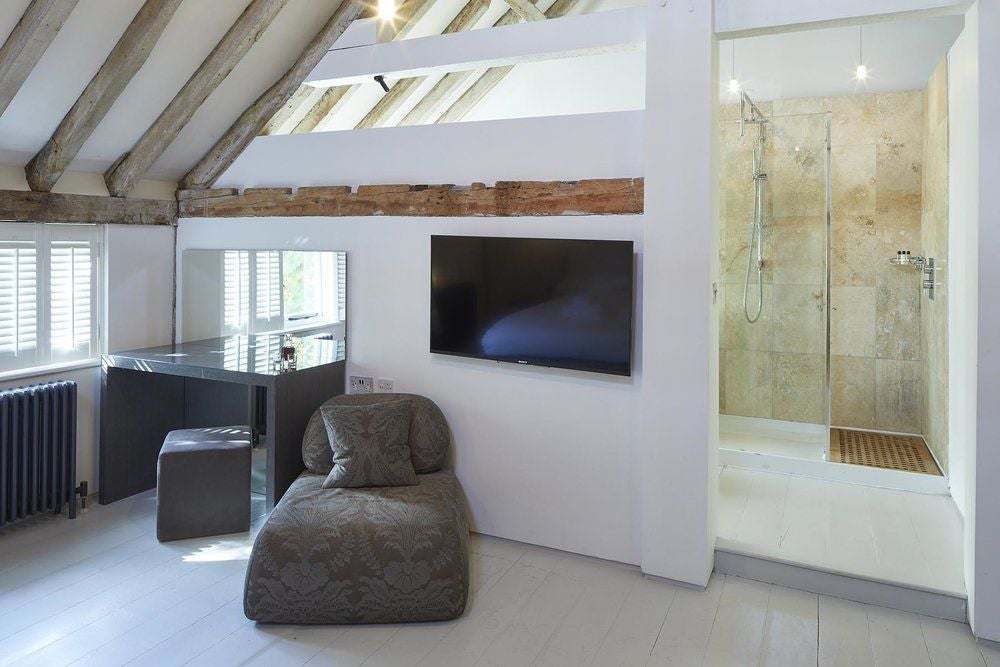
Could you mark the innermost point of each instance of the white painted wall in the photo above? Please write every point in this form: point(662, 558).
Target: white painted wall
point(678, 418)
point(547, 457)
point(767, 15)
point(985, 583)
point(900, 55)
point(138, 301)
point(584, 146)
point(587, 84)
point(963, 268)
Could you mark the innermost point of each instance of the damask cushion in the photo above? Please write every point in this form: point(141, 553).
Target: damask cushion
point(370, 445)
point(374, 555)
point(429, 436)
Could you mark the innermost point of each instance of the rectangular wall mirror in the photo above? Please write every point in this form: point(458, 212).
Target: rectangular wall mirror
point(230, 292)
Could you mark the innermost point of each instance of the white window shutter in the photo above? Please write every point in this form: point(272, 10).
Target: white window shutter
point(18, 303)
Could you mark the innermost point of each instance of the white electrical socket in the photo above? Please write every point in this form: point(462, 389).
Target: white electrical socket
point(384, 385)
point(361, 384)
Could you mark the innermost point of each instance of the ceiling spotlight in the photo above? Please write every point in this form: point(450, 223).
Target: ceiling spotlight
point(734, 86)
point(386, 9)
point(862, 73)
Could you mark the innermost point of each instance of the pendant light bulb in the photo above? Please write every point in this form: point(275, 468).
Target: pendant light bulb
point(734, 84)
point(861, 73)
point(386, 9)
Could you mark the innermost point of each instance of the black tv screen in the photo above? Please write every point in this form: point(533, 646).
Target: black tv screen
point(545, 302)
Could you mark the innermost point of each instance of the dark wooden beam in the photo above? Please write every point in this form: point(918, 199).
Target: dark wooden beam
point(251, 24)
point(616, 196)
point(252, 121)
point(26, 43)
point(96, 99)
point(27, 206)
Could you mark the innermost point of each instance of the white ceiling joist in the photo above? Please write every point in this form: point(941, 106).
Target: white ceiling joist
point(588, 34)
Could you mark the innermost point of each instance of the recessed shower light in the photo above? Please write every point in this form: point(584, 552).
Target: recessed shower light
point(386, 9)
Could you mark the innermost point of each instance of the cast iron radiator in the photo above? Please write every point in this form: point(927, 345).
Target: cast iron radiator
point(38, 450)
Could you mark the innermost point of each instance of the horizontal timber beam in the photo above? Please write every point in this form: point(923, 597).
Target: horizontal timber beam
point(572, 36)
point(613, 196)
point(26, 206)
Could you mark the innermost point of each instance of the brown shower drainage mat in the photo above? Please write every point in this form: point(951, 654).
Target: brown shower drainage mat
point(882, 450)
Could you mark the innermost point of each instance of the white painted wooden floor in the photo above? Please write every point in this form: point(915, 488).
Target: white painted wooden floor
point(101, 591)
point(901, 537)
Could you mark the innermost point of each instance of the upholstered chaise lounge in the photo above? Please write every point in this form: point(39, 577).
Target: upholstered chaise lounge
point(365, 555)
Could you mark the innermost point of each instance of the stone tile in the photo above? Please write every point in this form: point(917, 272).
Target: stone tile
point(736, 249)
point(799, 250)
point(898, 187)
point(799, 131)
point(897, 314)
point(852, 321)
point(854, 120)
point(855, 251)
point(936, 92)
point(896, 230)
point(853, 180)
point(799, 319)
point(898, 395)
point(722, 382)
point(900, 117)
point(741, 334)
point(799, 388)
point(852, 392)
point(801, 105)
point(747, 378)
point(797, 179)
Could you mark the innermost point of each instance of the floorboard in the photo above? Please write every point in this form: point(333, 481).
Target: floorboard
point(116, 596)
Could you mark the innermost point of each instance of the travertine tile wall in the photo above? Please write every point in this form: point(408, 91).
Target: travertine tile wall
point(934, 242)
point(777, 367)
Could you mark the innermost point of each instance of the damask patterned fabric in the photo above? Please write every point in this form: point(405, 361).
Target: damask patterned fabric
point(370, 445)
point(429, 436)
point(374, 555)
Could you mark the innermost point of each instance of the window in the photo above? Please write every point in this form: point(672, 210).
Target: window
point(271, 290)
point(49, 287)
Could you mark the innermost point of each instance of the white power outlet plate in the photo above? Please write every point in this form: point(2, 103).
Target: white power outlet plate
point(384, 385)
point(361, 384)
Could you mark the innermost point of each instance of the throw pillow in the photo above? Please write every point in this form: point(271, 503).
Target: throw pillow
point(370, 445)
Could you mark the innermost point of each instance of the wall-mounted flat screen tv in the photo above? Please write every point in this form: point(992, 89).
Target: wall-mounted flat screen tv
point(559, 303)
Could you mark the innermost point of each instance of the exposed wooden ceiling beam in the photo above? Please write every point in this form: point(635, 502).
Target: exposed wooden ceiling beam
point(122, 175)
point(407, 17)
point(303, 95)
point(250, 123)
point(26, 206)
point(494, 75)
point(404, 89)
point(584, 34)
point(26, 43)
point(430, 103)
point(526, 10)
point(323, 107)
point(100, 94)
point(613, 196)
